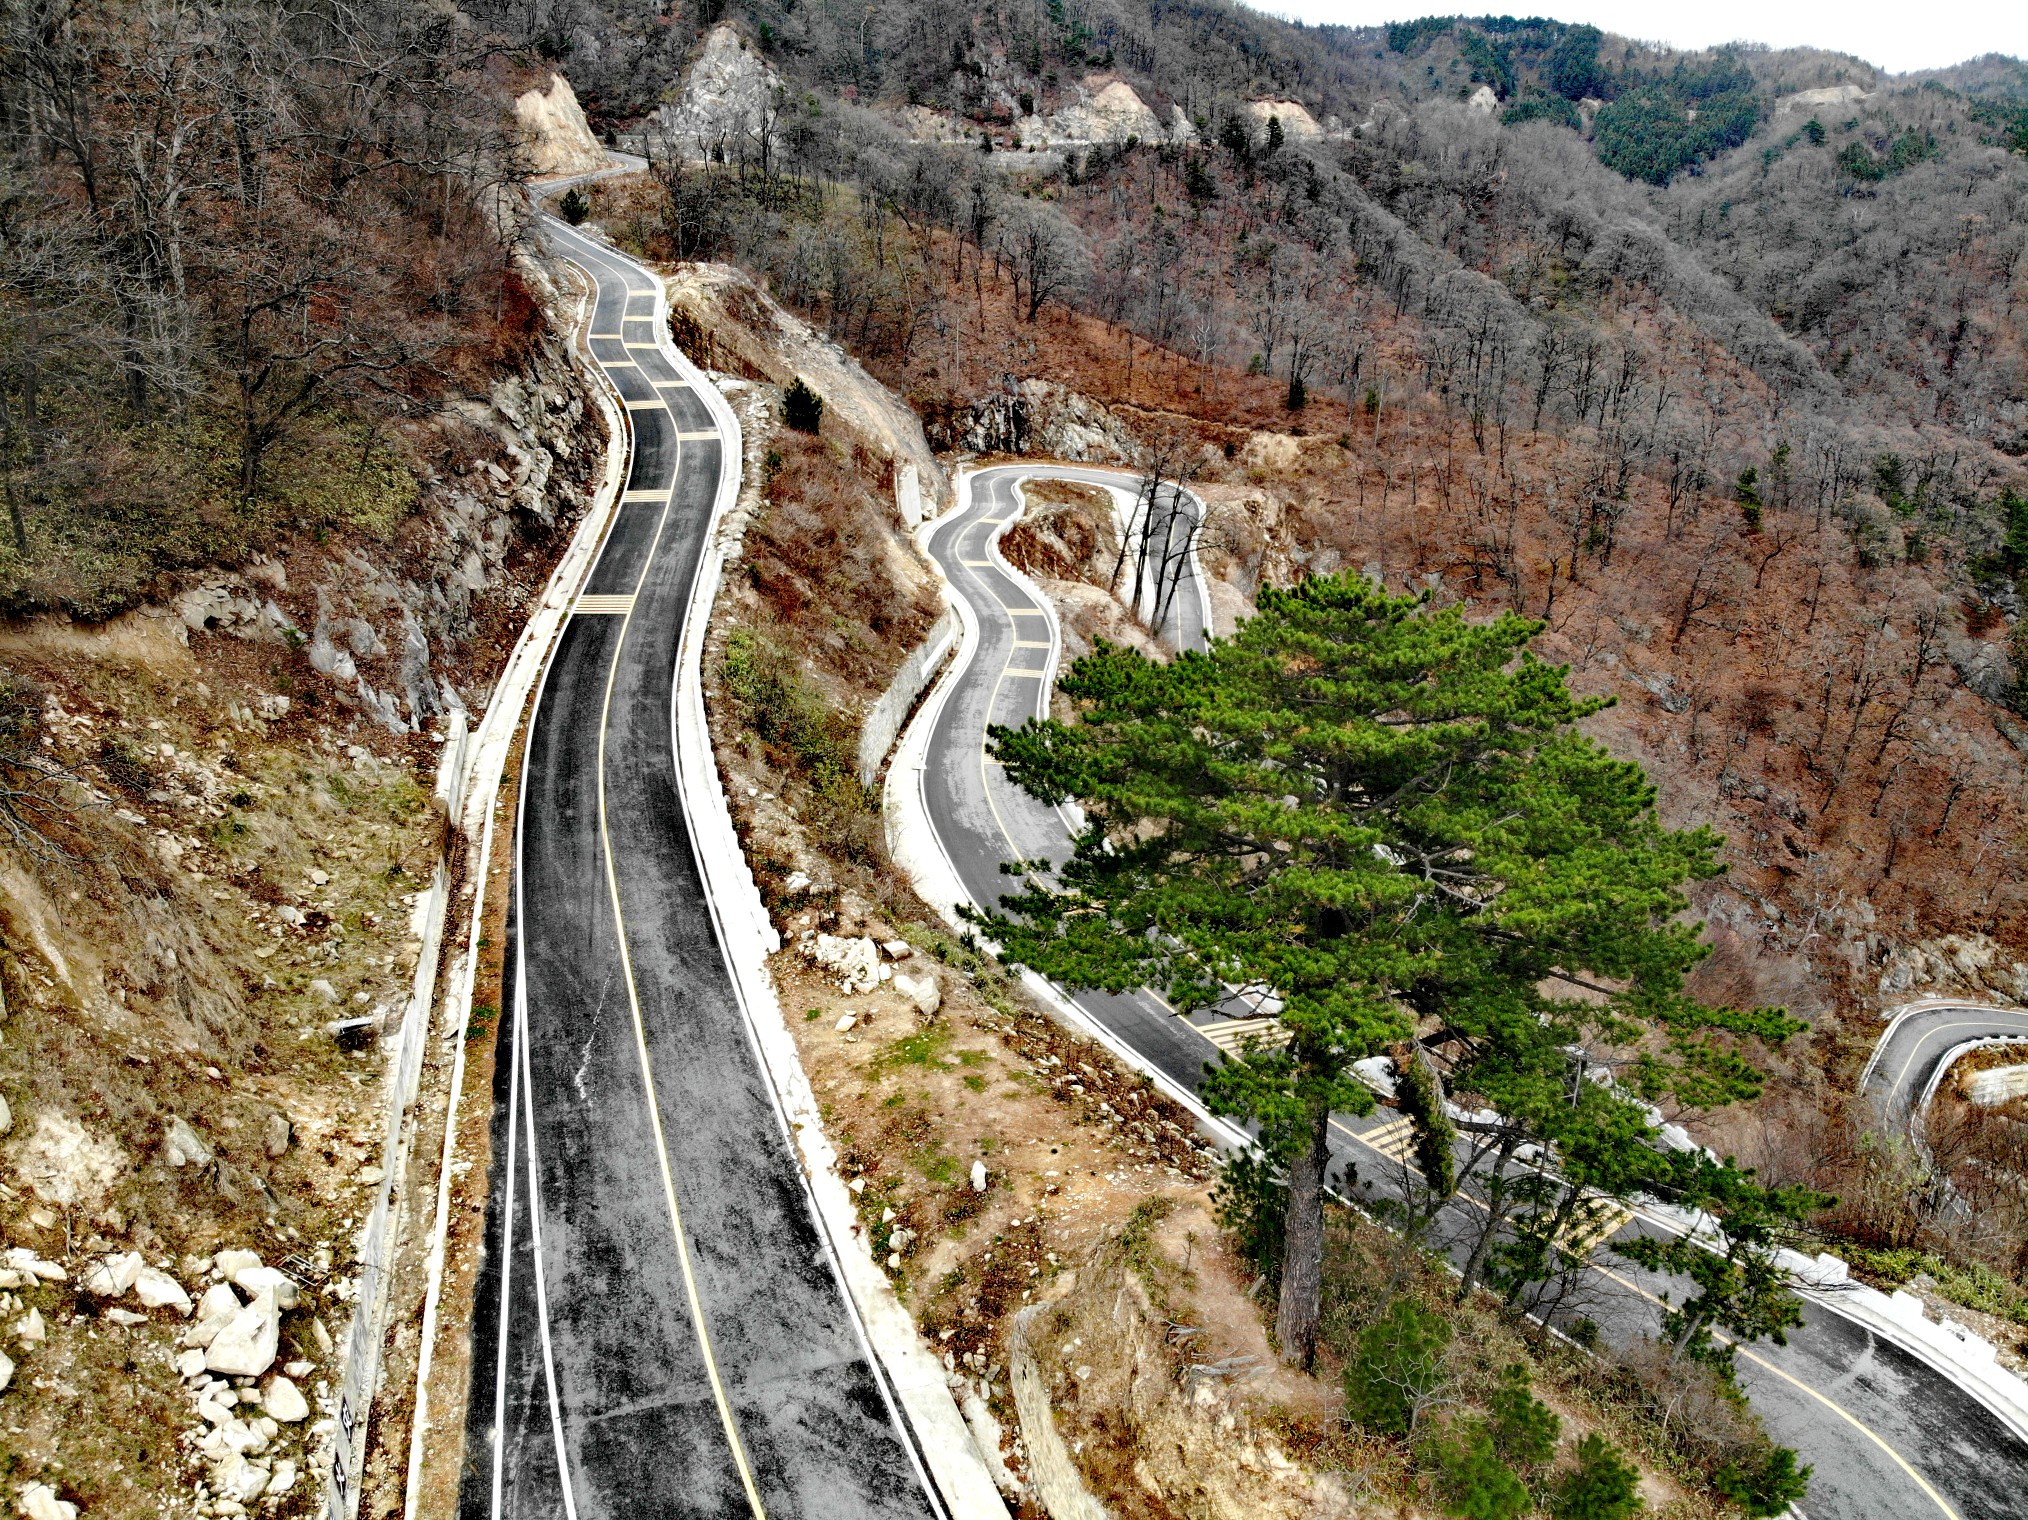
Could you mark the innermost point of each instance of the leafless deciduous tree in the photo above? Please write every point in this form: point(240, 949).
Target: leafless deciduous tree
point(1044, 252)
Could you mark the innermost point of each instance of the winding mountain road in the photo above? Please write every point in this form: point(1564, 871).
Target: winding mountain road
point(1889, 1437)
point(660, 1328)
point(1919, 1046)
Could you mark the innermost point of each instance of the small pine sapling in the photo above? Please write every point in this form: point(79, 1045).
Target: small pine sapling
point(1601, 1487)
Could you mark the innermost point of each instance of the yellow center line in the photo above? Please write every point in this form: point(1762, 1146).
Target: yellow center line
point(1928, 1035)
point(647, 1070)
point(1853, 1420)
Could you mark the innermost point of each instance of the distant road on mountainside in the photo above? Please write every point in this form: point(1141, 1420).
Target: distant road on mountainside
point(1917, 1046)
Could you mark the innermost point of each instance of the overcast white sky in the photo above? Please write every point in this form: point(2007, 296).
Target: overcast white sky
point(1898, 35)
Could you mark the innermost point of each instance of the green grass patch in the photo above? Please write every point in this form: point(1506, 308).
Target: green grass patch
point(1976, 1286)
point(924, 1048)
point(937, 1167)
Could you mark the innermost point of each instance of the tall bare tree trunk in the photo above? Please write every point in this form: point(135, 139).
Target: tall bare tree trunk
point(1302, 1302)
point(1497, 1203)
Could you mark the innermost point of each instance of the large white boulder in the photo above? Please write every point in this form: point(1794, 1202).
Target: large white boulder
point(855, 961)
point(215, 1310)
point(26, 1262)
point(236, 1478)
point(284, 1401)
point(254, 1281)
point(39, 1502)
point(923, 991)
point(183, 1146)
point(245, 1346)
point(158, 1290)
point(112, 1277)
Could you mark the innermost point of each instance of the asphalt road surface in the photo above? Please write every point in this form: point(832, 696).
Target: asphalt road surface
point(1910, 1055)
point(1889, 1438)
point(660, 1330)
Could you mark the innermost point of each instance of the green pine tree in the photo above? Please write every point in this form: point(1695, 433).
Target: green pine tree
point(1766, 1486)
point(1394, 1370)
point(1601, 1487)
point(1740, 1288)
point(1524, 1429)
point(802, 408)
point(1383, 813)
point(1474, 1482)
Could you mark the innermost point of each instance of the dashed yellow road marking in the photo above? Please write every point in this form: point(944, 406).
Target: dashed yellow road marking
point(1394, 1139)
point(1603, 1219)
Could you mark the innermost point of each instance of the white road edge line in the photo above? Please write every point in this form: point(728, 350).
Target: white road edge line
point(506, 1254)
point(541, 1282)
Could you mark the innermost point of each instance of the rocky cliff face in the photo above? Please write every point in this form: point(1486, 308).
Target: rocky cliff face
point(725, 321)
point(554, 131)
point(729, 95)
point(408, 639)
point(203, 948)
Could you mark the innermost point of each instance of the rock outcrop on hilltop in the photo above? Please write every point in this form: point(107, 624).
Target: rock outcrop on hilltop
point(1108, 111)
point(1830, 95)
point(729, 94)
point(1295, 117)
point(557, 137)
